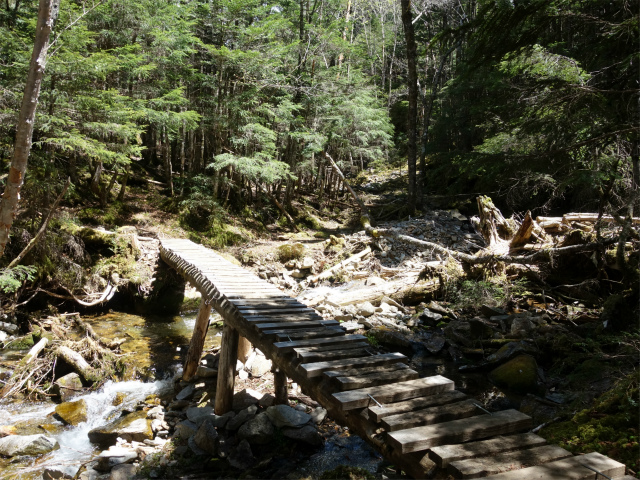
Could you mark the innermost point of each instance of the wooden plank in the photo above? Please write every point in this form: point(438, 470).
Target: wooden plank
point(378, 413)
point(268, 302)
point(326, 348)
point(567, 469)
point(263, 305)
point(457, 431)
point(288, 346)
point(485, 465)
point(365, 370)
point(248, 312)
point(305, 317)
point(309, 333)
point(316, 368)
point(431, 415)
point(290, 325)
point(336, 354)
point(443, 455)
point(374, 379)
point(361, 398)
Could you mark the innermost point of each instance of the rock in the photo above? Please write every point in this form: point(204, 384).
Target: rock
point(480, 328)
point(206, 437)
point(430, 318)
point(509, 351)
point(198, 414)
point(185, 429)
point(243, 374)
point(366, 309)
point(521, 326)
point(219, 421)
point(489, 311)
point(318, 415)
point(206, 372)
point(285, 416)
point(3, 336)
point(242, 417)
point(344, 318)
point(460, 332)
point(434, 344)
point(72, 413)
point(7, 430)
point(135, 426)
point(519, 375)
point(350, 326)
point(394, 339)
point(260, 366)
point(9, 328)
point(89, 474)
point(267, 400)
point(67, 386)
point(15, 445)
point(307, 263)
point(371, 281)
point(123, 472)
point(307, 434)
point(297, 273)
point(242, 458)
point(259, 430)
point(114, 456)
point(59, 471)
point(186, 393)
point(245, 398)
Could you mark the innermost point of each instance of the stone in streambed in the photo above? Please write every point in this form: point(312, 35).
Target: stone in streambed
point(114, 456)
point(307, 434)
point(242, 417)
point(285, 416)
point(259, 430)
point(242, 458)
point(519, 374)
point(245, 398)
point(134, 426)
point(206, 438)
point(72, 413)
point(199, 414)
point(67, 386)
point(15, 445)
point(66, 472)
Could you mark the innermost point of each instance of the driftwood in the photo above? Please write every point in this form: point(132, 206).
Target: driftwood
point(88, 330)
point(344, 263)
point(335, 167)
point(35, 350)
point(105, 296)
point(78, 363)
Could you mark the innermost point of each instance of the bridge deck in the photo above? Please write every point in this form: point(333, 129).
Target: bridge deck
point(417, 423)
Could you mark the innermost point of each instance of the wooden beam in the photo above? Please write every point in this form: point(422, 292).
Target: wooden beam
point(431, 415)
point(226, 369)
point(197, 341)
point(280, 386)
point(317, 368)
point(244, 349)
point(378, 413)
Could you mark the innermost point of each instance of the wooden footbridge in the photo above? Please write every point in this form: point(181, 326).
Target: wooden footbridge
point(422, 425)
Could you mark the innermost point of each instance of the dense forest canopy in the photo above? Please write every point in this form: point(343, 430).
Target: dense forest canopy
point(536, 100)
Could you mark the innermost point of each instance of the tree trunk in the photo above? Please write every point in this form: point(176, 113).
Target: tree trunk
point(47, 13)
point(412, 113)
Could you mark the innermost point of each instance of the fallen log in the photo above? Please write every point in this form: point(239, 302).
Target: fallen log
point(335, 167)
point(35, 350)
point(344, 263)
point(78, 363)
point(108, 293)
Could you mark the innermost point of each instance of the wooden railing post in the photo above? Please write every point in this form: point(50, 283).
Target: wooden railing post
point(280, 386)
point(226, 369)
point(197, 341)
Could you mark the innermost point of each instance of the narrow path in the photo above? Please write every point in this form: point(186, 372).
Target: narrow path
point(419, 424)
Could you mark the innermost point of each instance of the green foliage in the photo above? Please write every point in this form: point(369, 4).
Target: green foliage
point(11, 279)
point(290, 251)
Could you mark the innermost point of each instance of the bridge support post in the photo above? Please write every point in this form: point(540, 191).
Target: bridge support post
point(197, 341)
point(226, 369)
point(244, 349)
point(280, 386)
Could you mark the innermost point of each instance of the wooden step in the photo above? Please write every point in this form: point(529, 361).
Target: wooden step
point(288, 346)
point(267, 302)
point(306, 317)
point(252, 312)
point(309, 333)
point(290, 325)
point(316, 368)
point(374, 379)
point(361, 371)
point(361, 398)
point(378, 413)
point(354, 350)
point(489, 465)
point(573, 468)
point(443, 455)
point(431, 415)
point(457, 431)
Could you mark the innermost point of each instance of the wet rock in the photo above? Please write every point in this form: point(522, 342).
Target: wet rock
point(15, 445)
point(480, 328)
point(59, 472)
point(366, 309)
point(394, 339)
point(67, 386)
point(135, 426)
point(206, 372)
point(186, 393)
point(242, 458)
point(206, 437)
point(434, 343)
point(307, 434)
point(259, 430)
point(242, 417)
point(245, 398)
point(185, 429)
point(260, 366)
point(7, 430)
point(9, 328)
point(114, 456)
point(89, 474)
point(285, 416)
point(519, 375)
point(198, 414)
point(509, 351)
point(72, 413)
point(123, 472)
point(460, 332)
point(219, 421)
point(521, 326)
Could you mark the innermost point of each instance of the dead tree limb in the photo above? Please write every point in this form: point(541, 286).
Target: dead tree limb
point(280, 207)
point(43, 228)
point(335, 167)
point(106, 295)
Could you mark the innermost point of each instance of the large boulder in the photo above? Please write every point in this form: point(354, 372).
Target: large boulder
point(259, 430)
point(307, 434)
point(135, 426)
point(15, 445)
point(72, 413)
point(206, 438)
point(285, 416)
point(520, 375)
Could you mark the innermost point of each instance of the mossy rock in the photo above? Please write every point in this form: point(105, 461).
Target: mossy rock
point(290, 251)
point(519, 375)
point(72, 413)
